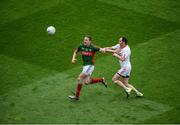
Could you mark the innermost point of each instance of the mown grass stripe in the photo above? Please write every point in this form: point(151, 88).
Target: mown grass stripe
point(150, 8)
point(53, 90)
point(26, 38)
point(14, 10)
point(46, 100)
point(15, 73)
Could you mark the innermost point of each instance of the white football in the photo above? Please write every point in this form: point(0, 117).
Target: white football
point(51, 30)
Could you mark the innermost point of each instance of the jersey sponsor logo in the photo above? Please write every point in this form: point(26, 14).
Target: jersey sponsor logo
point(86, 53)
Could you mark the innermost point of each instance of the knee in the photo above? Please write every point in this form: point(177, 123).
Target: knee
point(80, 80)
point(126, 84)
point(114, 80)
point(86, 82)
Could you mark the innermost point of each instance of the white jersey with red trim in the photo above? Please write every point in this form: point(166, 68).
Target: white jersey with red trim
point(115, 46)
point(124, 53)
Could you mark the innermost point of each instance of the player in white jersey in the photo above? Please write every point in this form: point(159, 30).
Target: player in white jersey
point(122, 52)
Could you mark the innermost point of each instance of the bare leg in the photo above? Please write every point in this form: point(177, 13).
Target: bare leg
point(80, 79)
point(116, 80)
point(125, 81)
point(90, 81)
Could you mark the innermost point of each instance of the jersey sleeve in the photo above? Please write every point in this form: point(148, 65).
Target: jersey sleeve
point(116, 46)
point(79, 48)
point(95, 49)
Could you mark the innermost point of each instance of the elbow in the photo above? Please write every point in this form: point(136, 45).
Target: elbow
point(121, 59)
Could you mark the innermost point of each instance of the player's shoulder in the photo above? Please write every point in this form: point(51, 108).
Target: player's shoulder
point(127, 49)
point(81, 45)
point(94, 46)
point(116, 46)
point(91, 45)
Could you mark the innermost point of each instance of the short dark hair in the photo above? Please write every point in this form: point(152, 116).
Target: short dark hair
point(124, 39)
point(88, 36)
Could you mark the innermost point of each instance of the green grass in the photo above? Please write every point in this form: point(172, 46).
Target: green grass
point(36, 74)
point(165, 9)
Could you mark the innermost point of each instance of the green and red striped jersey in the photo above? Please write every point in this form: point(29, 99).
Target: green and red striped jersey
point(88, 53)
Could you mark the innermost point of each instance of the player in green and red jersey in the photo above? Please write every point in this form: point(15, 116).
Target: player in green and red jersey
point(88, 51)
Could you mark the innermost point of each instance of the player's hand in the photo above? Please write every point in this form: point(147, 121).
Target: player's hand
point(115, 54)
point(103, 50)
point(73, 61)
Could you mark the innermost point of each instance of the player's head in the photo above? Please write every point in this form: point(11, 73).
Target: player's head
point(123, 41)
point(87, 40)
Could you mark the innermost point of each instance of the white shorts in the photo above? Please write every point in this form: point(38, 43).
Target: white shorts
point(125, 71)
point(88, 69)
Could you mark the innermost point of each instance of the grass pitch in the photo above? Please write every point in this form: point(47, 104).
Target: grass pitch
point(36, 74)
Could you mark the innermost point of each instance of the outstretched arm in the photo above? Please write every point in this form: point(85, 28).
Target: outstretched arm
point(112, 49)
point(108, 49)
point(74, 56)
point(122, 58)
point(103, 50)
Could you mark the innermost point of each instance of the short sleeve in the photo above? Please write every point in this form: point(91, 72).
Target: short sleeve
point(79, 48)
point(95, 49)
point(116, 46)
